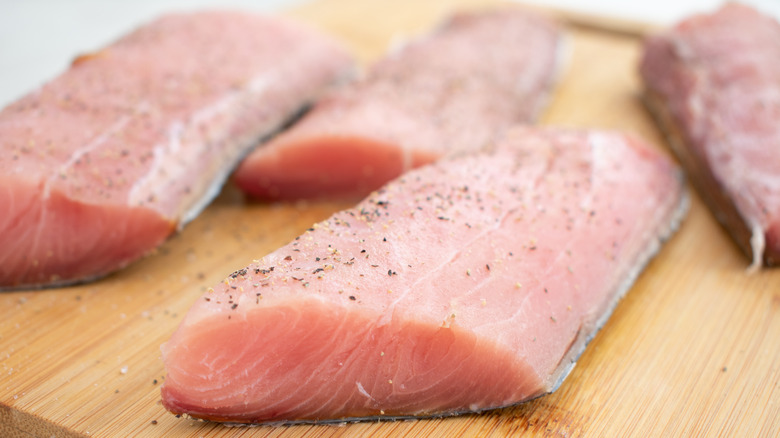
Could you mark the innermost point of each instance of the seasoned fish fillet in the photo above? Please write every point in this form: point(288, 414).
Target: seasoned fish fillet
point(468, 284)
point(100, 165)
point(449, 91)
point(713, 81)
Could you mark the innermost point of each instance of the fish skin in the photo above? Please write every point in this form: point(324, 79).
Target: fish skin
point(452, 90)
point(100, 165)
point(468, 284)
point(713, 82)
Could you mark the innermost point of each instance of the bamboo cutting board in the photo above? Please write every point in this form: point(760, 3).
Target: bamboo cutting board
point(693, 349)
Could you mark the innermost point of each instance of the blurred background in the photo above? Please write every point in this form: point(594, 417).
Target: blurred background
point(39, 38)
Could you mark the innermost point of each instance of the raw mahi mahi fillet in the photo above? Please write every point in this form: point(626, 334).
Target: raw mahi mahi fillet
point(103, 163)
point(713, 81)
point(450, 91)
point(468, 284)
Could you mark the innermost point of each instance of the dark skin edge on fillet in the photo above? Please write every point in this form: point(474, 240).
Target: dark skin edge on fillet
point(378, 418)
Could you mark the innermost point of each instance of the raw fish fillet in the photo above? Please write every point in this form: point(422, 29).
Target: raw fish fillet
point(103, 163)
point(713, 81)
point(450, 91)
point(468, 284)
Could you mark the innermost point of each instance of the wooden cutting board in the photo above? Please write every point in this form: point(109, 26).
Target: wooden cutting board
point(693, 349)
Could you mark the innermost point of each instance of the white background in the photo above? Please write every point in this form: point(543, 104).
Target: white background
point(39, 38)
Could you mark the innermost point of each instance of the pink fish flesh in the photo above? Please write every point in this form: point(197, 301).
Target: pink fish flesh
point(713, 81)
point(450, 91)
point(100, 165)
point(468, 284)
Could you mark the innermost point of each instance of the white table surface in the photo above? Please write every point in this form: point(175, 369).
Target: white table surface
point(39, 38)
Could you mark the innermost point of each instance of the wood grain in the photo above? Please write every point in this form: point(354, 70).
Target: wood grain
point(693, 349)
